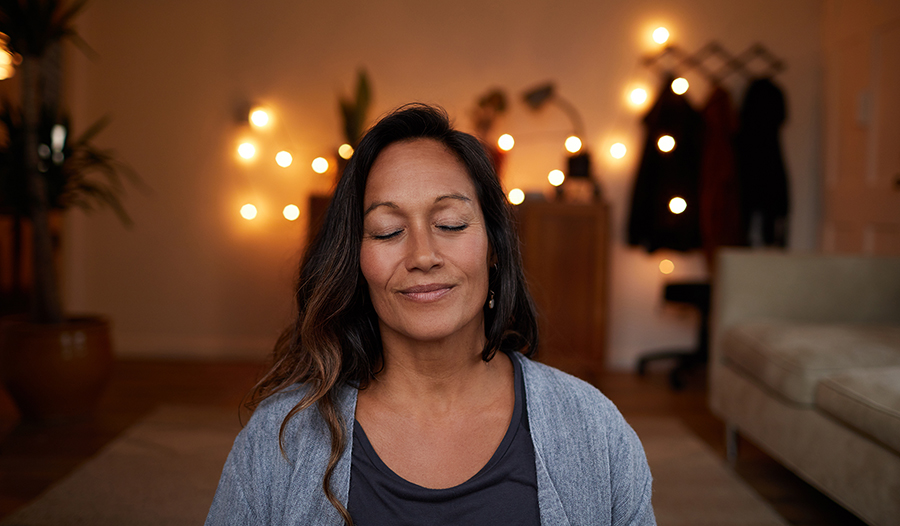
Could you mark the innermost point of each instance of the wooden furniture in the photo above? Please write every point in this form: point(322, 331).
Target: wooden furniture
point(564, 251)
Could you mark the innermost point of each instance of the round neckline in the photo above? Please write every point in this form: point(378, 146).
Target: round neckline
point(514, 424)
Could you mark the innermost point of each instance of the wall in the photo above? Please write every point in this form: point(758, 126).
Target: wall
point(193, 279)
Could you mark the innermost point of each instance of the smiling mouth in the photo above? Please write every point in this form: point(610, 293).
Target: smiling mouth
point(426, 293)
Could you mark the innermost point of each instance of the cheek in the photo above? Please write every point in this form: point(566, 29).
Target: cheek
point(376, 267)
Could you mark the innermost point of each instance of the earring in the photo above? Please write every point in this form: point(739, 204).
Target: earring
point(491, 301)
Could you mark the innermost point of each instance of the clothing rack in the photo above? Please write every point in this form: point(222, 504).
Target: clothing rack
point(715, 62)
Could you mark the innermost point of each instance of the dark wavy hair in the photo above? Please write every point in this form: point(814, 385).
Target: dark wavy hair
point(335, 339)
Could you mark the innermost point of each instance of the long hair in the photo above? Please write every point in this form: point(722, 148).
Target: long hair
point(335, 339)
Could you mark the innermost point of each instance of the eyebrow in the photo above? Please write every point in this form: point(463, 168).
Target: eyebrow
point(391, 204)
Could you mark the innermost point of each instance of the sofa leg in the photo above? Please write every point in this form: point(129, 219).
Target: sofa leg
point(731, 444)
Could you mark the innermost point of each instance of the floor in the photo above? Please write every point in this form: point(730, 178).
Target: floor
point(34, 457)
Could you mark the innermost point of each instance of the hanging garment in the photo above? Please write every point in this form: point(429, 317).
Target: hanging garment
point(720, 198)
point(760, 166)
point(663, 176)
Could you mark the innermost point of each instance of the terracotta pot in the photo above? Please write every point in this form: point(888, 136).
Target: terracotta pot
point(55, 372)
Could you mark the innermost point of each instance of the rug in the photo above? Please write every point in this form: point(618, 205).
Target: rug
point(164, 470)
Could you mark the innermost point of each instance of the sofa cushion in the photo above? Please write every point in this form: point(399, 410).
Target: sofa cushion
point(866, 399)
point(790, 357)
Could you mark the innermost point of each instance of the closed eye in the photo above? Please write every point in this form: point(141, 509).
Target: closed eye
point(387, 236)
point(453, 228)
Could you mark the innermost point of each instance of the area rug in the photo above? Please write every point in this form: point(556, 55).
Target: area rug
point(163, 471)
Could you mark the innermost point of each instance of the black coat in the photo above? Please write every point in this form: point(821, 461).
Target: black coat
point(662, 176)
point(760, 166)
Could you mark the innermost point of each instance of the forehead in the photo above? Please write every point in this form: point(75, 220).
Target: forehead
point(417, 169)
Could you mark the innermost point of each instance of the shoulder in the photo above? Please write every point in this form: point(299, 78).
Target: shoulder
point(556, 390)
point(280, 409)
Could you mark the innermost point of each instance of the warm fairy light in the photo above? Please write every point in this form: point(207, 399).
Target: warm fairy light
point(284, 159)
point(7, 68)
point(677, 205)
point(506, 142)
point(291, 212)
point(248, 211)
point(618, 150)
point(573, 144)
point(345, 151)
point(666, 143)
point(259, 118)
point(320, 165)
point(516, 196)
point(638, 96)
point(680, 86)
point(666, 266)
point(660, 35)
point(246, 150)
point(556, 177)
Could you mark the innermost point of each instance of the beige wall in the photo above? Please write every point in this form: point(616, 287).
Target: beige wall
point(194, 279)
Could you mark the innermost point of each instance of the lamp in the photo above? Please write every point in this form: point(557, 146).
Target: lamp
point(579, 162)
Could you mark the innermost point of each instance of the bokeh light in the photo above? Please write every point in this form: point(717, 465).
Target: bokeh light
point(677, 205)
point(320, 165)
point(506, 142)
point(556, 177)
point(680, 86)
point(291, 212)
point(284, 159)
point(666, 266)
point(660, 35)
point(638, 96)
point(573, 144)
point(666, 143)
point(618, 150)
point(516, 196)
point(247, 150)
point(248, 211)
point(345, 151)
point(259, 117)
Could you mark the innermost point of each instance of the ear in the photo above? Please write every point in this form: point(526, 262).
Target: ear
point(492, 257)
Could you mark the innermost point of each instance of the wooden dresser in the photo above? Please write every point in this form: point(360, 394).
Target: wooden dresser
point(564, 250)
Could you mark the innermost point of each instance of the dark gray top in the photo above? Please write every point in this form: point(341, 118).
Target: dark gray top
point(504, 491)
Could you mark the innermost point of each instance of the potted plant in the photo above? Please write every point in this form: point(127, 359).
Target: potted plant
point(54, 366)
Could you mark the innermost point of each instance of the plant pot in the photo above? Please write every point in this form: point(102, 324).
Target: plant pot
point(55, 372)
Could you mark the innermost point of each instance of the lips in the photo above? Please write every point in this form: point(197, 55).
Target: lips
point(427, 292)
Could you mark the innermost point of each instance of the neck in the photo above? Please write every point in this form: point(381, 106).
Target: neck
point(437, 375)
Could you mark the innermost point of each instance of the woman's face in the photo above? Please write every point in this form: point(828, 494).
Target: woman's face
point(425, 249)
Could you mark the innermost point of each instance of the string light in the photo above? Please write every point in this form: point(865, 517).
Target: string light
point(666, 143)
point(618, 150)
point(284, 159)
point(345, 151)
point(556, 177)
point(680, 86)
point(516, 196)
point(320, 165)
point(666, 266)
point(259, 118)
point(638, 96)
point(291, 212)
point(677, 205)
point(248, 212)
point(246, 150)
point(506, 142)
point(660, 35)
point(573, 144)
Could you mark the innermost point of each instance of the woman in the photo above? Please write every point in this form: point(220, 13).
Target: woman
point(402, 394)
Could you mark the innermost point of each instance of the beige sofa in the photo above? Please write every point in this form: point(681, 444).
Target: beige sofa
point(805, 363)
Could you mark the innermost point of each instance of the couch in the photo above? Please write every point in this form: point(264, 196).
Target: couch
point(805, 363)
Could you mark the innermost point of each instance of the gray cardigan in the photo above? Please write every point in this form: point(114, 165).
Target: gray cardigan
point(591, 468)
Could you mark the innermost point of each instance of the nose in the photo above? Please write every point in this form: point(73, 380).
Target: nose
point(423, 253)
